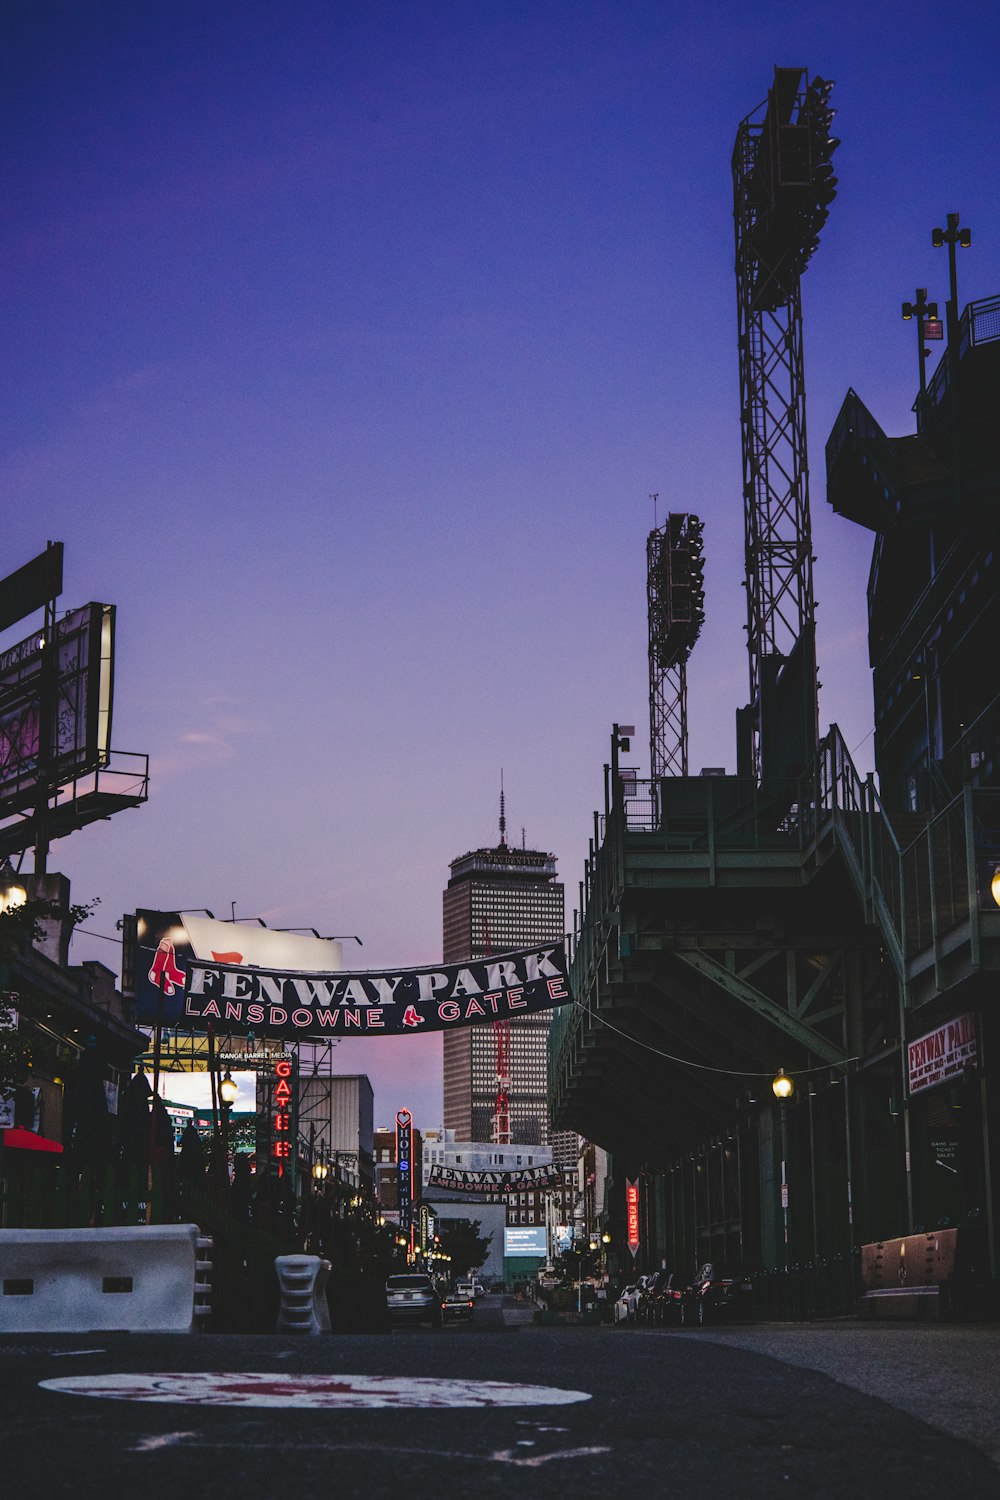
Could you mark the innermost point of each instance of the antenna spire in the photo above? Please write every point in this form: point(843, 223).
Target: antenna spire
point(503, 816)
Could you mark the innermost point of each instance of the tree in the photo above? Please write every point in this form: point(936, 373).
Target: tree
point(460, 1238)
point(20, 926)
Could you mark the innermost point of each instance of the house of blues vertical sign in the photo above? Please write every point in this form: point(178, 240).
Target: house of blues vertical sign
point(404, 1167)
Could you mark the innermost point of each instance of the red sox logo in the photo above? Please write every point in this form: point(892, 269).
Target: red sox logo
point(164, 973)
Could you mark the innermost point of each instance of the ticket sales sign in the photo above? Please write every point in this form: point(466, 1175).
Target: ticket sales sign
point(197, 974)
point(942, 1054)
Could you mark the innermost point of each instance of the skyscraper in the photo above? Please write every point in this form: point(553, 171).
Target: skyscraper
point(497, 900)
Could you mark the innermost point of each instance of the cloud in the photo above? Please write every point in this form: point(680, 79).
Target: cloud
point(217, 739)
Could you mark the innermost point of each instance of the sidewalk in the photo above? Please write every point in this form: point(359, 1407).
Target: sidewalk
point(946, 1374)
point(517, 1312)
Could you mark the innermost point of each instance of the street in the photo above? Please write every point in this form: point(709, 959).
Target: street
point(508, 1409)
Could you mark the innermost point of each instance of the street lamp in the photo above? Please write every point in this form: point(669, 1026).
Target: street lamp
point(952, 236)
point(928, 326)
point(783, 1088)
point(12, 891)
point(228, 1090)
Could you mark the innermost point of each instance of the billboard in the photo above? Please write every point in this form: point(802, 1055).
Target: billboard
point(31, 587)
point(71, 694)
point(528, 1239)
point(513, 1180)
point(194, 973)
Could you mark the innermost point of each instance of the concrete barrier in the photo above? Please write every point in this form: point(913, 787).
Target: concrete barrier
point(133, 1278)
point(908, 1277)
point(302, 1279)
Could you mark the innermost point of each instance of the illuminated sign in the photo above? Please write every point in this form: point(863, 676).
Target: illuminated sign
point(942, 1054)
point(281, 1116)
point(196, 973)
point(527, 1241)
point(249, 1057)
point(632, 1216)
point(404, 1166)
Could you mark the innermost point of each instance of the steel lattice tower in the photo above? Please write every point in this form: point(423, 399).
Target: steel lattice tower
point(782, 183)
point(675, 600)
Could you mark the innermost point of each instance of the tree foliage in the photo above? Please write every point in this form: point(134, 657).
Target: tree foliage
point(460, 1238)
point(20, 926)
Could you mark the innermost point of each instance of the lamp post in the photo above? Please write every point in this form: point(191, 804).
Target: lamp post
point(783, 1088)
point(924, 312)
point(228, 1090)
point(952, 236)
point(13, 891)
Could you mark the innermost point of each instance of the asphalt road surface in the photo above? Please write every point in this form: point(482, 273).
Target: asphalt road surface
point(497, 1408)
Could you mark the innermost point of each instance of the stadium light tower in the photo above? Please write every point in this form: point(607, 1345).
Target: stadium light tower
point(675, 592)
point(783, 185)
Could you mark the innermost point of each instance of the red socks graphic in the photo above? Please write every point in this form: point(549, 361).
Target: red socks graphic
point(165, 974)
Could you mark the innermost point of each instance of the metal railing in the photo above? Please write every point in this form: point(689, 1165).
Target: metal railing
point(980, 324)
point(918, 896)
point(826, 1288)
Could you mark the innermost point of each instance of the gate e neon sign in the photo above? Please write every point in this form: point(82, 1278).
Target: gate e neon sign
point(282, 1120)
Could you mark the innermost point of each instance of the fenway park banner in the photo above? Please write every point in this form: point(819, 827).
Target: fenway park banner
point(193, 972)
point(459, 1180)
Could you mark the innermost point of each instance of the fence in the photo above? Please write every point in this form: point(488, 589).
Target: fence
point(821, 1289)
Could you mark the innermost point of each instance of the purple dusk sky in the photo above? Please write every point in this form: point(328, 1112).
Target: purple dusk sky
point(345, 344)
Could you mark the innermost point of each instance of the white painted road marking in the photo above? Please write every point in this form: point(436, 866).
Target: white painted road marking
point(501, 1456)
point(507, 1456)
point(162, 1440)
point(324, 1392)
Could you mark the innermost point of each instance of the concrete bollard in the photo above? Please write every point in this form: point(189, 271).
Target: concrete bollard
point(203, 1279)
point(302, 1279)
point(129, 1278)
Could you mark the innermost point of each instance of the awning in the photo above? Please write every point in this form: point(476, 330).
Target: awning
point(28, 1140)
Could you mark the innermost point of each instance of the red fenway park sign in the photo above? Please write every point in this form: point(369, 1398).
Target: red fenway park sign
point(193, 972)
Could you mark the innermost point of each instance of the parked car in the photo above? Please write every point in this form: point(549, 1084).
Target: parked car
point(411, 1298)
point(457, 1308)
point(713, 1297)
point(660, 1299)
point(624, 1309)
point(645, 1302)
